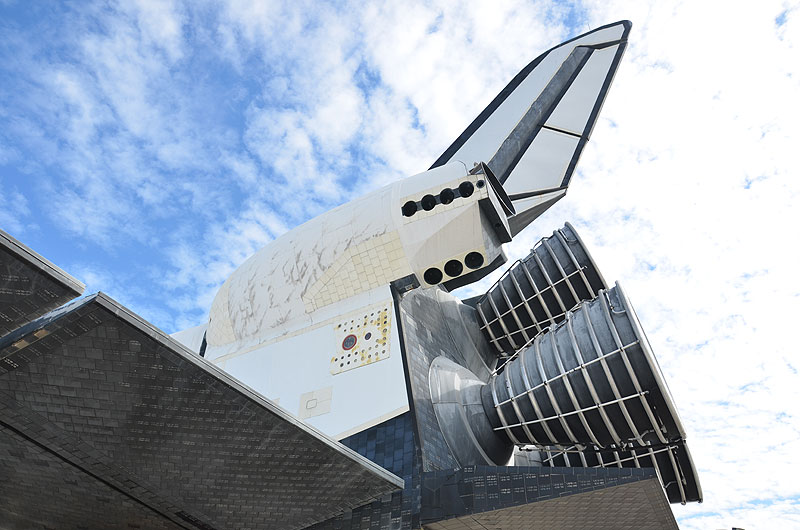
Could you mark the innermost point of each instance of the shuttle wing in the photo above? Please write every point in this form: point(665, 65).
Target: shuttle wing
point(104, 421)
point(532, 134)
point(30, 286)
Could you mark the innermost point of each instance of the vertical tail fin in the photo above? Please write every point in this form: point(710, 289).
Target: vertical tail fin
point(532, 134)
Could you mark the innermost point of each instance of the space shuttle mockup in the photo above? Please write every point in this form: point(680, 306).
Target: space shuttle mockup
point(339, 384)
point(315, 319)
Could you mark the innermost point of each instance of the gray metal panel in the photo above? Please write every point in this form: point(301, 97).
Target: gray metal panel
point(30, 286)
point(112, 397)
point(435, 323)
point(456, 399)
point(425, 337)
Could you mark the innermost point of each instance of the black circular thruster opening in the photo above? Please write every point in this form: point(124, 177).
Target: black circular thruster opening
point(368, 336)
point(428, 202)
point(453, 268)
point(480, 183)
point(466, 189)
point(433, 276)
point(474, 260)
point(446, 196)
point(409, 208)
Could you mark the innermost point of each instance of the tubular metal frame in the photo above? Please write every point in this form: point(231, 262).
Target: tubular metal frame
point(621, 457)
point(553, 313)
point(622, 451)
point(602, 358)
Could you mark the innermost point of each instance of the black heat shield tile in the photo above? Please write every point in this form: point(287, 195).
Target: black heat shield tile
point(105, 422)
point(506, 498)
point(639, 505)
point(30, 286)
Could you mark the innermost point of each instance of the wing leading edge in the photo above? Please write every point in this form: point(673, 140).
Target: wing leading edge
point(532, 134)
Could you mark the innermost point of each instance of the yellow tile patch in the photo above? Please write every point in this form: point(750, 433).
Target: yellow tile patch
point(360, 268)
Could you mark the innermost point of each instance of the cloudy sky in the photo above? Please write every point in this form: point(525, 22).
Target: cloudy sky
point(149, 148)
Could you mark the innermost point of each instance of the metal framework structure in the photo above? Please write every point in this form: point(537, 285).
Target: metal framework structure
point(591, 386)
point(536, 292)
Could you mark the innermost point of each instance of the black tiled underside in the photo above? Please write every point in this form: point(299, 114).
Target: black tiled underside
point(117, 404)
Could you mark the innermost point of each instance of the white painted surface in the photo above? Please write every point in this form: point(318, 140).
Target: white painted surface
point(548, 158)
point(306, 275)
point(573, 111)
point(315, 403)
point(192, 338)
point(485, 141)
point(296, 369)
point(265, 296)
point(272, 324)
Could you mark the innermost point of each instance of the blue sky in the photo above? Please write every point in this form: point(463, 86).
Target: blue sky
point(149, 148)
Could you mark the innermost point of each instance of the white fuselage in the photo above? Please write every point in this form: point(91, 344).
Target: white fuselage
point(283, 322)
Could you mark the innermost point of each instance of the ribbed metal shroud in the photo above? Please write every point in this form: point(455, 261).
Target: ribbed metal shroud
point(537, 291)
point(591, 390)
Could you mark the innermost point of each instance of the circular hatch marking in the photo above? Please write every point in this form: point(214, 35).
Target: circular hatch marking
point(349, 342)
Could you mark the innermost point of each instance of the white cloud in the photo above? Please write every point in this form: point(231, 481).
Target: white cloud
point(13, 208)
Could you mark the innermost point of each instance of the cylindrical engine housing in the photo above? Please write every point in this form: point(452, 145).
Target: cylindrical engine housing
point(590, 381)
point(536, 292)
point(589, 392)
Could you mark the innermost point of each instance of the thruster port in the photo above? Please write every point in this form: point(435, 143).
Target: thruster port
point(466, 188)
point(453, 268)
point(428, 202)
point(433, 276)
point(474, 260)
point(409, 208)
point(446, 196)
